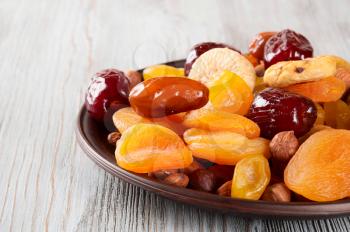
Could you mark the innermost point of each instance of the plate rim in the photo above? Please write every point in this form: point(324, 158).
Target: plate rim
point(209, 200)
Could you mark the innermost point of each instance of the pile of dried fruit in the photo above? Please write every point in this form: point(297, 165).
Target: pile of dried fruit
point(273, 124)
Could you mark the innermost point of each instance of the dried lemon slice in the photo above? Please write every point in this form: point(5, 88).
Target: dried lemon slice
point(210, 65)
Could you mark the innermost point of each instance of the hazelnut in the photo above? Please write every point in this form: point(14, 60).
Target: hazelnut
point(162, 174)
point(225, 189)
point(113, 137)
point(193, 167)
point(134, 77)
point(203, 180)
point(260, 69)
point(177, 179)
point(277, 193)
point(283, 146)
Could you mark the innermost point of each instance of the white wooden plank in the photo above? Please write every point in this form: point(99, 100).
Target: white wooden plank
point(48, 51)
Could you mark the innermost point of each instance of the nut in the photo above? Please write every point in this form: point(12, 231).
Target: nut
point(113, 137)
point(177, 179)
point(225, 189)
point(134, 77)
point(277, 193)
point(193, 167)
point(203, 180)
point(260, 69)
point(162, 174)
point(288, 73)
point(344, 75)
point(283, 146)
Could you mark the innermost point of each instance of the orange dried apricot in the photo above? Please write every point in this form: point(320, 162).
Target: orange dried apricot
point(223, 147)
point(230, 93)
point(162, 71)
point(320, 115)
point(251, 177)
point(320, 169)
point(337, 114)
point(325, 90)
point(145, 148)
point(215, 120)
point(127, 117)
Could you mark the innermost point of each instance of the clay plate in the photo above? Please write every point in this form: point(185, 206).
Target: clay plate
point(92, 139)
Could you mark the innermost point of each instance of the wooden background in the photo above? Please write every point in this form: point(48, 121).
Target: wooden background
point(49, 50)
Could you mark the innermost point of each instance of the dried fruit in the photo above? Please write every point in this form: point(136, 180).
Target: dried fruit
point(320, 115)
point(252, 59)
point(277, 193)
point(162, 70)
point(134, 77)
point(198, 49)
point(177, 179)
point(326, 90)
point(320, 170)
point(209, 66)
point(203, 180)
point(127, 117)
point(251, 177)
point(337, 114)
point(314, 129)
point(225, 189)
point(257, 45)
point(230, 93)
point(223, 147)
point(161, 96)
point(288, 73)
point(286, 45)
point(214, 120)
point(106, 87)
point(276, 110)
point(343, 75)
point(283, 146)
point(160, 149)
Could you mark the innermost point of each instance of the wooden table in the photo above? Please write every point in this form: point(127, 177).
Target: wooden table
point(48, 52)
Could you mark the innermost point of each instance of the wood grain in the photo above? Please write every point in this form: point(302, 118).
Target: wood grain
point(48, 51)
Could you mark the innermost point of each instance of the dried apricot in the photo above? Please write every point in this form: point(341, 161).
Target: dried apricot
point(230, 93)
point(215, 120)
point(320, 169)
point(127, 117)
point(223, 147)
point(251, 177)
point(325, 90)
point(320, 115)
point(337, 114)
point(145, 148)
point(162, 71)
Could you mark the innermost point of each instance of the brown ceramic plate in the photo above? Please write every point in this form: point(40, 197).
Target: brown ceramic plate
point(92, 139)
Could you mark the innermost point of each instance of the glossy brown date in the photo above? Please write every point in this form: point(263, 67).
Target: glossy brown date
point(161, 96)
